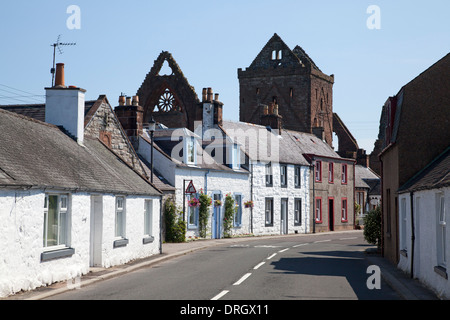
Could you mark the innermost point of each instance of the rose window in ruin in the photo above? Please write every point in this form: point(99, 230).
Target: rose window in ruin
point(167, 102)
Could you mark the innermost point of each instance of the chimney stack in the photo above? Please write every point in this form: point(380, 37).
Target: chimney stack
point(270, 117)
point(64, 106)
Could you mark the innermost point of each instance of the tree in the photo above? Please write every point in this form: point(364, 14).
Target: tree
point(372, 227)
point(175, 226)
point(230, 210)
point(203, 213)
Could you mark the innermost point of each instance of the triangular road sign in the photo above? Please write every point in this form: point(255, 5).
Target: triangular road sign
point(191, 188)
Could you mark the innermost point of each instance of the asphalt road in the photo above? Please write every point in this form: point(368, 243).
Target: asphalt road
point(315, 267)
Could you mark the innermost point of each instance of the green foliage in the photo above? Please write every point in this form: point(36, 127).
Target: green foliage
point(175, 226)
point(230, 210)
point(372, 227)
point(203, 213)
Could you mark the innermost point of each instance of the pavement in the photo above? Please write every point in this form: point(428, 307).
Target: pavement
point(403, 284)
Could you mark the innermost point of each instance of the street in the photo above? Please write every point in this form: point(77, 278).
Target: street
point(307, 267)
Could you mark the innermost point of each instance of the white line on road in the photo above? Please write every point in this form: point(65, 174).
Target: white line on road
point(220, 295)
point(350, 238)
point(299, 245)
point(258, 265)
point(242, 279)
point(284, 250)
point(270, 257)
point(322, 241)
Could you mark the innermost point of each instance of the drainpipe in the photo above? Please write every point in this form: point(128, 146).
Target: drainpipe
point(413, 234)
point(206, 181)
point(251, 195)
point(160, 224)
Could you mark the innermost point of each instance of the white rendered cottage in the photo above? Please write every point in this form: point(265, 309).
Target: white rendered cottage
point(424, 206)
point(67, 201)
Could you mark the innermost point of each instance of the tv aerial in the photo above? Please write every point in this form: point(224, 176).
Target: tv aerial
point(58, 45)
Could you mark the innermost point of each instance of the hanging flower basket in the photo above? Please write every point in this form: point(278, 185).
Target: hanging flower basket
point(217, 203)
point(194, 202)
point(248, 204)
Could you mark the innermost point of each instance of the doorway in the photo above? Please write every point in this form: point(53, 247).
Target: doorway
point(95, 257)
point(284, 216)
point(331, 214)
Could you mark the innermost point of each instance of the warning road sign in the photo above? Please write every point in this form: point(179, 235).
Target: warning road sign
point(191, 188)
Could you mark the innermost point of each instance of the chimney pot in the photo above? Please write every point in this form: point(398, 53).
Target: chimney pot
point(204, 94)
point(216, 97)
point(128, 101)
point(121, 100)
point(59, 77)
point(210, 94)
point(135, 100)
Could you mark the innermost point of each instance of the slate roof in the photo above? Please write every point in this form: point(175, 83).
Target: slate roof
point(434, 176)
point(292, 145)
point(34, 154)
point(366, 178)
point(37, 111)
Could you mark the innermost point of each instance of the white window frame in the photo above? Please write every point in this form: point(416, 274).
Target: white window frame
point(268, 218)
point(441, 226)
point(283, 175)
point(63, 221)
point(148, 217)
point(190, 146)
point(237, 221)
point(297, 211)
point(120, 217)
point(192, 211)
point(269, 174)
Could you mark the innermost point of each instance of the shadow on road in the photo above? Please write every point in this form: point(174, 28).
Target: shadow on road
point(348, 264)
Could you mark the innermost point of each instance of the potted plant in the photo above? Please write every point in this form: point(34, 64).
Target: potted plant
point(249, 204)
point(217, 203)
point(194, 202)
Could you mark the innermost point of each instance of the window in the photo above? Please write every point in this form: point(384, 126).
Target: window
point(235, 157)
point(269, 177)
point(283, 176)
point(318, 210)
point(331, 172)
point(190, 150)
point(269, 212)
point(56, 226)
point(360, 201)
point(344, 174)
point(148, 218)
point(238, 214)
point(403, 225)
point(441, 230)
point(192, 213)
point(298, 212)
point(297, 176)
point(318, 171)
point(344, 216)
point(120, 217)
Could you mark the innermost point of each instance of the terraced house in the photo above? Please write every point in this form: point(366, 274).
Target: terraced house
point(69, 200)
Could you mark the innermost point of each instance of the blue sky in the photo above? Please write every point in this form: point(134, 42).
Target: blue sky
point(118, 42)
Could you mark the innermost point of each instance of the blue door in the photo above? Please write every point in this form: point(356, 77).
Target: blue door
point(216, 217)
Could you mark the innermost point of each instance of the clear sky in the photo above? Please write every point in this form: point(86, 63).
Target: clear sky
point(118, 41)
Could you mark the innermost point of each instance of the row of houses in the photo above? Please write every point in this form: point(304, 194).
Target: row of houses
point(83, 184)
point(413, 150)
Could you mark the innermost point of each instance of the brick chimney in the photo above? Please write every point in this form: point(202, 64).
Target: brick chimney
point(64, 106)
point(131, 117)
point(270, 117)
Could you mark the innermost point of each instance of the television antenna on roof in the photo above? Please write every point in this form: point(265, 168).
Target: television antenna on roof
point(57, 45)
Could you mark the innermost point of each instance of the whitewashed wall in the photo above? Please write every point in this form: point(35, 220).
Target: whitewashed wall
point(261, 192)
point(225, 182)
point(425, 255)
point(21, 238)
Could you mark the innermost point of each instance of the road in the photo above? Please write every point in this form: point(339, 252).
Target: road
point(310, 267)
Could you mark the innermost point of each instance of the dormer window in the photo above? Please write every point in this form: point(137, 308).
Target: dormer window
point(190, 147)
point(234, 157)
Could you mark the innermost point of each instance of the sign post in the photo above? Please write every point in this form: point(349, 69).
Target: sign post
point(189, 190)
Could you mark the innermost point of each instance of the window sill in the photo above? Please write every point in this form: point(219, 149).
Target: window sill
point(120, 243)
point(148, 239)
point(441, 271)
point(57, 254)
